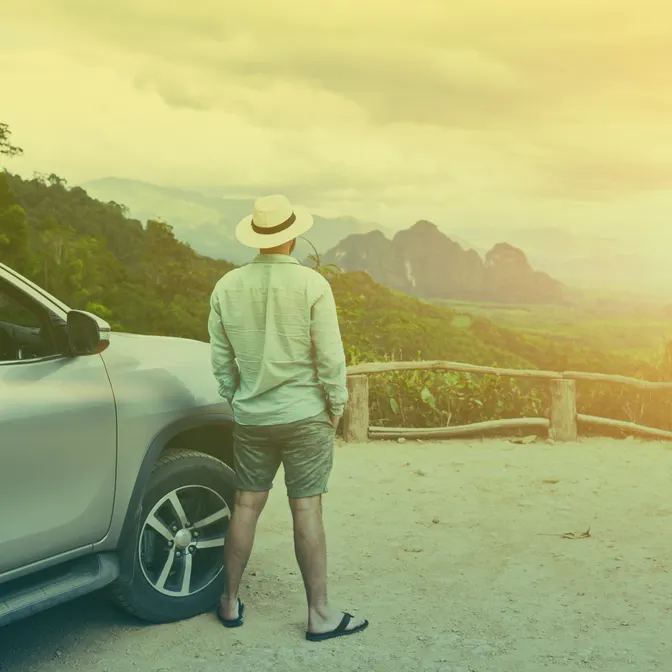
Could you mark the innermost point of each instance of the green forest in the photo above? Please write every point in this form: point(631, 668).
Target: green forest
point(141, 279)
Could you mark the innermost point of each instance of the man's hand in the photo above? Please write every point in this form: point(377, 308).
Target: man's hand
point(335, 419)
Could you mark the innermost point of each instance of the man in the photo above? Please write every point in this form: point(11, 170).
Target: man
point(278, 356)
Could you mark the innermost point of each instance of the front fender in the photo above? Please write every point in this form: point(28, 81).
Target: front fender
point(162, 387)
point(130, 527)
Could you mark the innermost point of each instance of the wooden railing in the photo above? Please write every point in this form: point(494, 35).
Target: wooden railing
point(562, 426)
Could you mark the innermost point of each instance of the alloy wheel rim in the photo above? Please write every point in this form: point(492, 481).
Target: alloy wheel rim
point(181, 541)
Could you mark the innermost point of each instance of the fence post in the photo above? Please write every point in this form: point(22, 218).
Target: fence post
point(563, 410)
point(356, 416)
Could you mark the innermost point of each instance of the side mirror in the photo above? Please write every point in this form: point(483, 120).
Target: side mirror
point(85, 335)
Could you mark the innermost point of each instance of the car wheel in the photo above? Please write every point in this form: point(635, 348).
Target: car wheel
point(177, 557)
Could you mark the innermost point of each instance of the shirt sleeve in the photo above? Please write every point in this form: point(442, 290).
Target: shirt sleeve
point(328, 350)
point(222, 356)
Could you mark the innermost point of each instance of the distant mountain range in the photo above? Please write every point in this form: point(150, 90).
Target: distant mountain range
point(613, 263)
point(208, 223)
point(424, 262)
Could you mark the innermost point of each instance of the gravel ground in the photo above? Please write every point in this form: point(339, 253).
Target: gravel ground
point(455, 553)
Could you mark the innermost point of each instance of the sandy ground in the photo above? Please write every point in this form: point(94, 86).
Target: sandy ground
point(452, 550)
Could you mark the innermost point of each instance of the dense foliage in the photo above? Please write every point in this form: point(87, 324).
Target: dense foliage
point(91, 256)
point(379, 324)
point(142, 279)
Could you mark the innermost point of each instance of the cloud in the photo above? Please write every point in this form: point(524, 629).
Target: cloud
point(485, 64)
point(483, 110)
point(173, 94)
point(604, 180)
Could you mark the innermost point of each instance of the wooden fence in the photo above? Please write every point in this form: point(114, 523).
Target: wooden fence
point(562, 426)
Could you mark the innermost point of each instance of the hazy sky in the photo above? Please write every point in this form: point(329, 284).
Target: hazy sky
point(493, 113)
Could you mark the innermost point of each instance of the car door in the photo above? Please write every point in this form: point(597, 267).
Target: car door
point(58, 435)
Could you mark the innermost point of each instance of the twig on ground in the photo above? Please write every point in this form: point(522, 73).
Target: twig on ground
point(525, 440)
point(569, 535)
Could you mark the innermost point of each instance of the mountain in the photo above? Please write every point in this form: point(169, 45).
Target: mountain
point(593, 262)
point(143, 280)
point(93, 257)
point(207, 223)
point(424, 262)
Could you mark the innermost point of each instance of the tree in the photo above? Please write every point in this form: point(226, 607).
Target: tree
point(6, 147)
point(329, 271)
point(14, 237)
point(56, 181)
point(145, 280)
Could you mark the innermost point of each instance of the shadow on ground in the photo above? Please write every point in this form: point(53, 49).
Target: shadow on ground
point(38, 643)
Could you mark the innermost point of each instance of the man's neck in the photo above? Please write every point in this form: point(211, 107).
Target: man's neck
point(277, 250)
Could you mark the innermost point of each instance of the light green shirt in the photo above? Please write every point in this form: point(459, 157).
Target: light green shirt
point(276, 346)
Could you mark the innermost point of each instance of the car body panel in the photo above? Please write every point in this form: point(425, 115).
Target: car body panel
point(158, 382)
point(58, 453)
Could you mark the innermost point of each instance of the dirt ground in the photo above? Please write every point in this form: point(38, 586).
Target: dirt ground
point(454, 551)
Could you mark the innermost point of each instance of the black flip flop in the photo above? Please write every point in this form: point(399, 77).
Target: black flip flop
point(340, 631)
point(232, 622)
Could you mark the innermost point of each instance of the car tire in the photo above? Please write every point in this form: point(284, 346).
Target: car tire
point(175, 566)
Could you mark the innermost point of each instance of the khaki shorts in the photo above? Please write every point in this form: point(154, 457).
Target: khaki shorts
point(305, 449)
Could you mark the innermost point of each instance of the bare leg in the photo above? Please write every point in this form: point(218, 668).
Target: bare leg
point(311, 554)
point(238, 546)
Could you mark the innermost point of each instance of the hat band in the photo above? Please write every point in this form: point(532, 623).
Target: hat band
point(268, 230)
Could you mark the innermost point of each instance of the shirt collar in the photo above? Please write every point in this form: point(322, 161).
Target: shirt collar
point(274, 259)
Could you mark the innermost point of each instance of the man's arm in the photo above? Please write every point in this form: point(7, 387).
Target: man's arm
point(328, 348)
point(222, 356)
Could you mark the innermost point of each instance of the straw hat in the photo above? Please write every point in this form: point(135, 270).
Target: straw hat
point(274, 221)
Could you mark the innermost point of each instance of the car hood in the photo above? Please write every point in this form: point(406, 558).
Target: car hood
point(158, 346)
point(167, 367)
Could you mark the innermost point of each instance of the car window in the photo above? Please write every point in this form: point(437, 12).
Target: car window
point(24, 329)
point(12, 312)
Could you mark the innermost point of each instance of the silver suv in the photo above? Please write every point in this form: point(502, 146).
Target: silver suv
point(114, 463)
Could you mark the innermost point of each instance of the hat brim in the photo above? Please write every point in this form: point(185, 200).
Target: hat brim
point(250, 238)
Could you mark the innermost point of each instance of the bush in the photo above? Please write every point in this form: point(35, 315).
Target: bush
point(622, 402)
point(430, 399)
point(438, 399)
